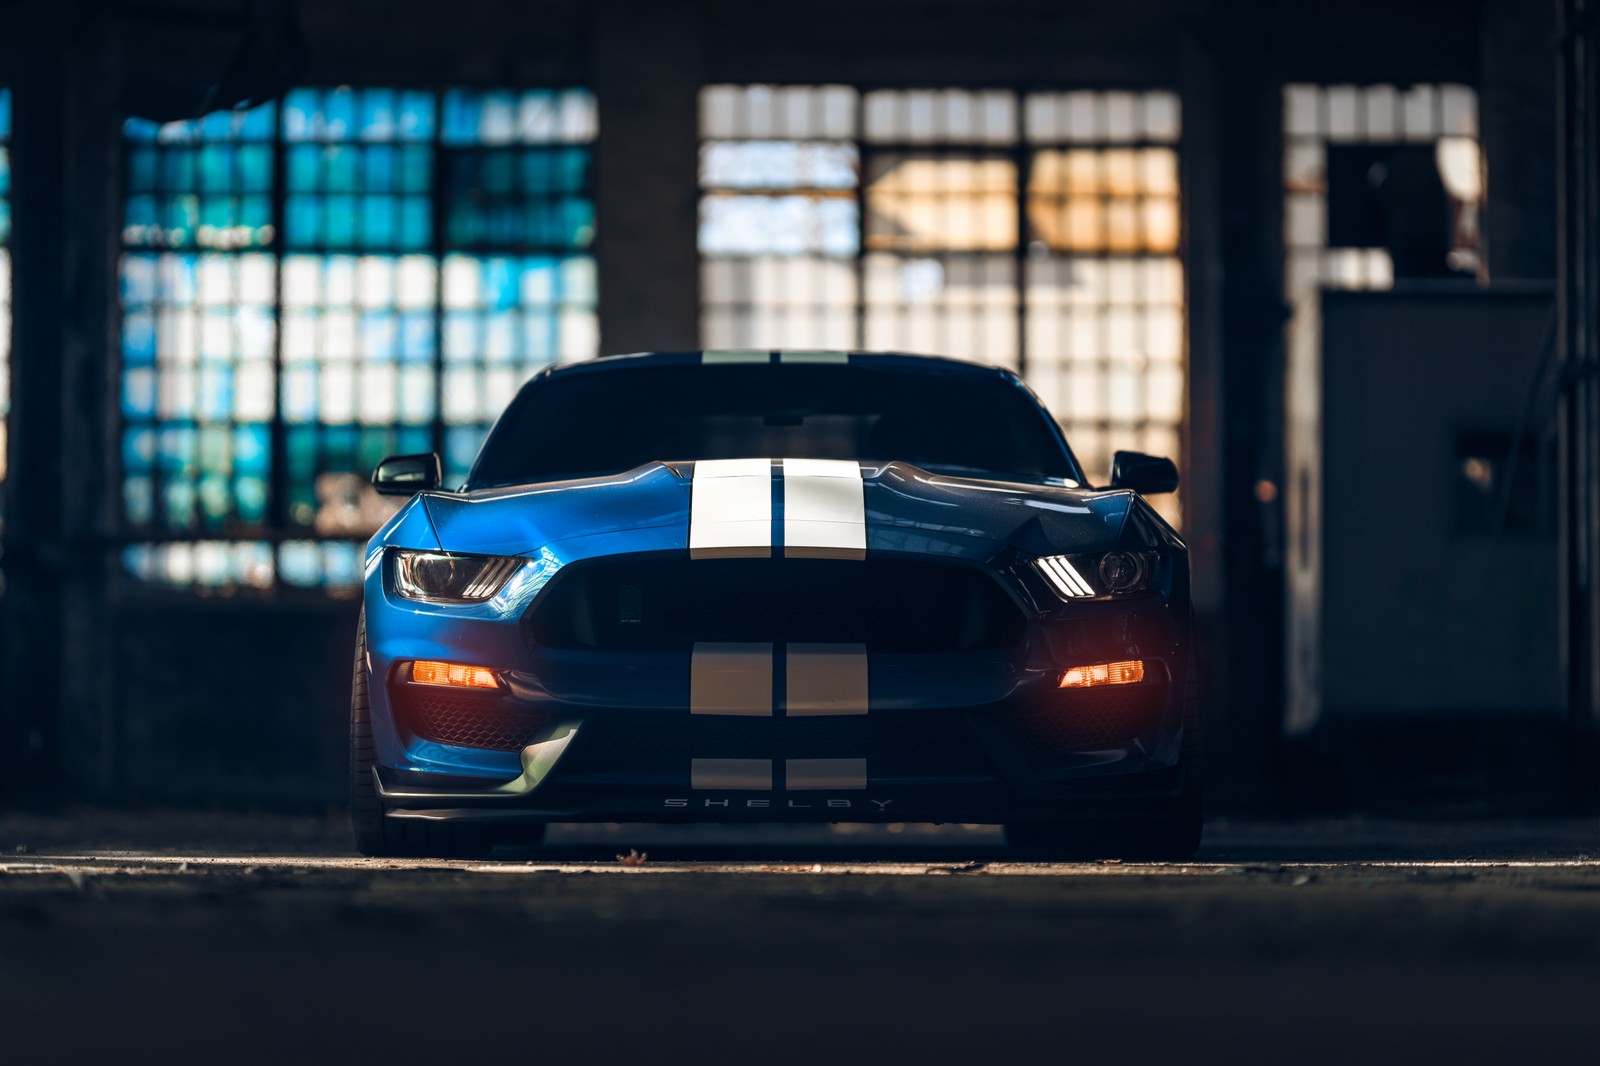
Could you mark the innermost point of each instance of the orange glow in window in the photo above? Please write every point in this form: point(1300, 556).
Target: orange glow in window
point(428, 672)
point(1123, 673)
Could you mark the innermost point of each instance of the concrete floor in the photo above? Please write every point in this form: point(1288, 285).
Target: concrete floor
point(175, 936)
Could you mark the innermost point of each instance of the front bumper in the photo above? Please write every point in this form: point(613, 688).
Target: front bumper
point(587, 734)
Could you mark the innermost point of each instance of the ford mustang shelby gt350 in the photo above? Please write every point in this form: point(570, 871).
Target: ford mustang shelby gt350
point(772, 586)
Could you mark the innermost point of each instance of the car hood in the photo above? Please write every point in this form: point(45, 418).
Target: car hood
point(905, 509)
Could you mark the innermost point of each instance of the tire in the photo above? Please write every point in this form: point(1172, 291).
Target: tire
point(375, 833)
point(1173, 835)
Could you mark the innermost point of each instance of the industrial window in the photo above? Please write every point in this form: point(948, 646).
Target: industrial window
point(1381, 182)
point(1104, 281)
point(1038, 231)
point(5, 277)
point(309, 286)
point(780, 216)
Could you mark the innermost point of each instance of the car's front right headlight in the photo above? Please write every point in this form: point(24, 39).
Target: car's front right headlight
point(1101, 575)
point(450, 577)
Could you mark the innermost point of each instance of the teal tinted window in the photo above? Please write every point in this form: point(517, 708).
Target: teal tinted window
point(310, 285)
point(203, 184)
point(359, 171)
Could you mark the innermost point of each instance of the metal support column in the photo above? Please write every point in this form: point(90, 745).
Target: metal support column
point(33, 554)
point(647, 77)
point(1578, 296)
point(57, 722)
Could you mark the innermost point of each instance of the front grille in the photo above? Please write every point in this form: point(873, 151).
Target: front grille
point(1097, 718)
point(662, 603)
point(616, 740)
point(467, 719)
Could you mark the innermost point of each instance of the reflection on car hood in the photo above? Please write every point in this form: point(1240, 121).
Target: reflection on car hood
point(904, 508)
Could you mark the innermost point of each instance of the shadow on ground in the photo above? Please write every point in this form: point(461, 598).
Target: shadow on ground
point(179, 936)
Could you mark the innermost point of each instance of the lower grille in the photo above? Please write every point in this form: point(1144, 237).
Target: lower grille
point(606, 739)
point(1111, 716)
point(466, 719)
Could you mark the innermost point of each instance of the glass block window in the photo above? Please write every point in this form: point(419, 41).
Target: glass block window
point(1104, 277)
point(312, 285)
point(941, 195)
point(1039, 231)
point(5, 276)
point(780, 215)
point(1380, 182)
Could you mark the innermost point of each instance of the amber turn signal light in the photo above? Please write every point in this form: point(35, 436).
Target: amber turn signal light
point(428, 672)
point(1130, 672)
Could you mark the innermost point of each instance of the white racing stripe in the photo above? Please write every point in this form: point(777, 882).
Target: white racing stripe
point(730, 509)
point(744, 775)
point(814, 356)
point(731, 679)
point(816, 775)
point(735, 355)
point(825, 679)
point(824, 509)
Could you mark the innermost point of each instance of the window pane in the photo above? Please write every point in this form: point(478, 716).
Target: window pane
point(505, 319)
point(778, 225)
point(764, 301)
point(949, 202)
point(200, 184)
point(778, 165)
point(1091, 290)
point(1105, 291)
point(1089, 200)
point(960, 305)
point(518, 198)
point(198, 325)
point(779, 221)
point(320, 310)
point(940, 116)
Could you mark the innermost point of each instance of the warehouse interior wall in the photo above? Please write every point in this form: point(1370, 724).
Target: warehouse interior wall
point(132, 673)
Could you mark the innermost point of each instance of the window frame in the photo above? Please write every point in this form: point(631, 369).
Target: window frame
point(277, 528)
point(1022, 149)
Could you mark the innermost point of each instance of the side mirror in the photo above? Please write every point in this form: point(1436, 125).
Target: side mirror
point(1145, 474)
point(406, 475)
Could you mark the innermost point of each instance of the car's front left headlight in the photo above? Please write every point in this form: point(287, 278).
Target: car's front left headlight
point(450, 577)
point(1100, 575)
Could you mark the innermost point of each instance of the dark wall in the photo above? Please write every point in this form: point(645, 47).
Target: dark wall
point(231, 701)
point(1438, 555)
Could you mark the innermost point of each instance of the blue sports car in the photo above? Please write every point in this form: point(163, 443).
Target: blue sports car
point(763, 586)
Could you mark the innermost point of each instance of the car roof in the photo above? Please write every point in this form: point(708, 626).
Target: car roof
point(841, 358)
point(785, 356)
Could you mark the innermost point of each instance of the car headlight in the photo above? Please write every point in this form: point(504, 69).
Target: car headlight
point(448, 577)
point(1099, 575)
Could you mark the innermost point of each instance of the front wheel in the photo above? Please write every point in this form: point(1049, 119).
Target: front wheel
point(1173, 835)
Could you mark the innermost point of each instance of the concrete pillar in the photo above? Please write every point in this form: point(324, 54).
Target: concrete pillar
point(1578, 347)
point(1203, 474)
point(33, 556)
point(56, 724)
point(90, 442)
point(647, 79)
point(1249, 147)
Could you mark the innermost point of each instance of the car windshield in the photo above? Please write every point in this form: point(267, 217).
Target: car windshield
point(590, 424)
